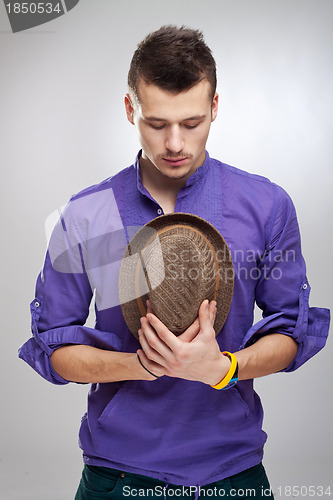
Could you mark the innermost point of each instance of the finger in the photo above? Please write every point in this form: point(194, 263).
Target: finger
point(164, 334)
point(150, 353)
point(153, 367)
point(205, 318)
point(149, 307)
point(191, 332)
point(212, 311)
point(152, 339)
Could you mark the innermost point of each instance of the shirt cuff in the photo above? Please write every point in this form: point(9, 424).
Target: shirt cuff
point(309, 329)
point(38, 349)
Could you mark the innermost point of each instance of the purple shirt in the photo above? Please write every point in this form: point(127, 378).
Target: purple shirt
point(179, 431)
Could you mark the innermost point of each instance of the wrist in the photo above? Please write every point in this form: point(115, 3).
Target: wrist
point(231, 378)
point(222, 367)
point(146, 373)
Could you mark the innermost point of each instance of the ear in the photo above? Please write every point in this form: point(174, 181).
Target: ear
point(215, 105)
point(129, 109)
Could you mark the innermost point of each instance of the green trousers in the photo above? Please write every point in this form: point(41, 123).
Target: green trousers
point(104, 483)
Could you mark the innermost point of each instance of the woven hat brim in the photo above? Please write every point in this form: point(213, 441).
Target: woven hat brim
point(136, 307)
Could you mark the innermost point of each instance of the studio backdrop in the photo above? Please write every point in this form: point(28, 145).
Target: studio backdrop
point(63, 127)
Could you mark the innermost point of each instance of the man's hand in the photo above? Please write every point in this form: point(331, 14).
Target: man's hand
point(193, 355)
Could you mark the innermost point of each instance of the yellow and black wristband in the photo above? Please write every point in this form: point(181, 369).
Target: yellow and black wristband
point(231, 377)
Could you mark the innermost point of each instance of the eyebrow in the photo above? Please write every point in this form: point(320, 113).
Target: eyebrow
point(191, 118)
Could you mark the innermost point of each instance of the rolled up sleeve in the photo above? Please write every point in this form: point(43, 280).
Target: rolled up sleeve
point(61, 305)
point(282, 290)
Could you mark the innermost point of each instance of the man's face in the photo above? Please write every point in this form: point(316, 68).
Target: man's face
point(173, 128)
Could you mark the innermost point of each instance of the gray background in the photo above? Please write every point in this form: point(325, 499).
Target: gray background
point(63, 127)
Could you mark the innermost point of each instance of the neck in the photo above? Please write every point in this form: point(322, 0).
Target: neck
point(163, 189)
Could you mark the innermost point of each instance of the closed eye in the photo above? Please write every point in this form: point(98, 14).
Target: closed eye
point(190, 126)
point(156, 127)
point(192, 123)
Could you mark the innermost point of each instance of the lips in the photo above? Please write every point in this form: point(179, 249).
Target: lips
point(175, 161)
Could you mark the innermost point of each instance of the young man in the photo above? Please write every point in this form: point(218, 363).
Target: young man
point(155, 424)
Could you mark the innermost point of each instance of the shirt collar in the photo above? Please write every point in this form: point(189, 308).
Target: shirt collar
point(195, 178)
point(139, 184)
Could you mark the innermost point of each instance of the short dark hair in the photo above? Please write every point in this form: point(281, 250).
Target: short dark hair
point(174, 59)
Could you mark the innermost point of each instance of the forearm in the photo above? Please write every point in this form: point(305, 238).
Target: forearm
point(86, 364)
point(269, 354)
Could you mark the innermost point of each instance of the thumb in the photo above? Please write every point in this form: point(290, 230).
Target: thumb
point(212, 311)
point(191, 332)
point(207, 313)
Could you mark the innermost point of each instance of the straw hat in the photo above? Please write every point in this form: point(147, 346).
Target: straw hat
point(176, 261)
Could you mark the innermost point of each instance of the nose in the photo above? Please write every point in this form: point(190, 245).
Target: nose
point(174, 140)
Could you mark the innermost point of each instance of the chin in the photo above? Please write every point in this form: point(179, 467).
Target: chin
point(176, 172)
point(176, 175)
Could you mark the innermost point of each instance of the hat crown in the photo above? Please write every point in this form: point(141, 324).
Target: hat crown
point(176, 261)
point(187, 272)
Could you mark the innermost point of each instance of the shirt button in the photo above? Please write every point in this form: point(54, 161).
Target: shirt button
point(36, 304)
point(159, 211)
point(305, 286)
